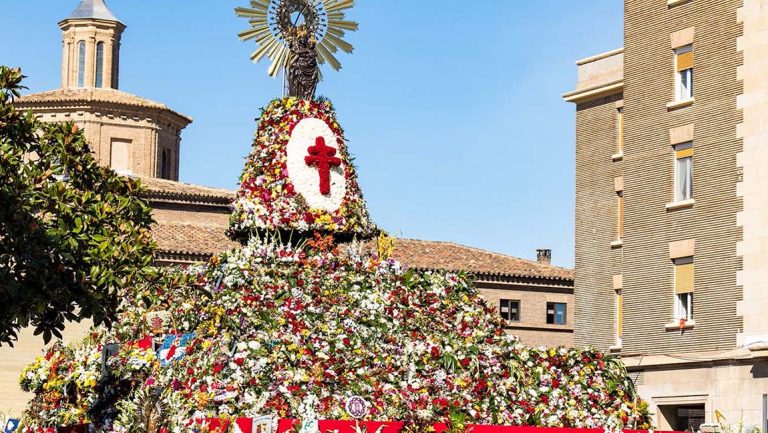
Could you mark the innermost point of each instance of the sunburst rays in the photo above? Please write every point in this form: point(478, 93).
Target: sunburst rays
point(265, 31)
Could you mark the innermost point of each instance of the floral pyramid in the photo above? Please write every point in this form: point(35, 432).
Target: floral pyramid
point(295, 330)
point(299, 178)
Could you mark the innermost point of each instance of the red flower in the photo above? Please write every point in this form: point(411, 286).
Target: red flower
point(145, 343)
point(465, 362)
point(171, 352)
point(239, 361)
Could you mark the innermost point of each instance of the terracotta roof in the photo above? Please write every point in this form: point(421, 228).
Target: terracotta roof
point(454, 257)
point(202, 241)
point(191, 239)
point(93, 94)
point(199, 241)
point(171, 190)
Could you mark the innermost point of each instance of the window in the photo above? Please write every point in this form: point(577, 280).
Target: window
point(81, 64)
point(620, 215)
point(688, 417)
point(684, 172)
point(165, 165)
point(69, 63)
point(620, 128)
point(684, 73)
point(556, 313)
point(619, 316)
point(509, 310)
point(120, 156)
point(684, 288)
point(100, 64)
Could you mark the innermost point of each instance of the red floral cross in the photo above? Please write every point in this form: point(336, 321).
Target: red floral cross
point(323, 157)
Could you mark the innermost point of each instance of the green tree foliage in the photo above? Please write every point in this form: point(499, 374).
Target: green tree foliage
point(72, 233)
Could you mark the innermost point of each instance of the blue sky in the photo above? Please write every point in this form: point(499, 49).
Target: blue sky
point(452, 108)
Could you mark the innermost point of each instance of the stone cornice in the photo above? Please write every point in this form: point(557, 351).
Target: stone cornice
point(116, 108)
point(580, 96)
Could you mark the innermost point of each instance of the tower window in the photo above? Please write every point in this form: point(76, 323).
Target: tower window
point(120, 156)
point(81, 64)
point(100, 64)
point(165, 165)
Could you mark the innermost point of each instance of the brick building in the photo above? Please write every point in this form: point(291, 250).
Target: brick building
point(671, 258)
point(142, 138)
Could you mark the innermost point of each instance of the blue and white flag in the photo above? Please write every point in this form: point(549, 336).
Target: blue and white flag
point(174, 347)
point(12, 425)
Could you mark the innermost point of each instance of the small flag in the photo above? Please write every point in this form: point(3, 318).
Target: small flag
point(174, 347)
point(11, 425)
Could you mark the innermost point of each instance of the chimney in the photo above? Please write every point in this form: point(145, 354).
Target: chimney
point(544, 256)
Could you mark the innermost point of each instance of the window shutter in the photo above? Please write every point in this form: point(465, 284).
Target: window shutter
point(684, 153)
point(685, 61)
point(684, 278)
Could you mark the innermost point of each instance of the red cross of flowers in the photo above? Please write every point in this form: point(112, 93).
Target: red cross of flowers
point(323, 157)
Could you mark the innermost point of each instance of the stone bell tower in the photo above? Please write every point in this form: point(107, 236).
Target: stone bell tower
point(132, 135)
point(91, 47)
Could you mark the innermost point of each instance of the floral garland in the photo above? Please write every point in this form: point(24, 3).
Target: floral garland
point(294, 332)
point(267, 199)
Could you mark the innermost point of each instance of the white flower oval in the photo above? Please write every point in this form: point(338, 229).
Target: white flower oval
point(306, 178)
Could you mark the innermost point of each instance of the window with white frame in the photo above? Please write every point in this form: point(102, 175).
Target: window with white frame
point(683, 172)
point(684, 73)
point(684, 288)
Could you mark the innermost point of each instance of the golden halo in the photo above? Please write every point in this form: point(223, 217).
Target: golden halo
point(274, 21)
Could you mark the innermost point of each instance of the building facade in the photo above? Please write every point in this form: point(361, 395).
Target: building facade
point(671, 251)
